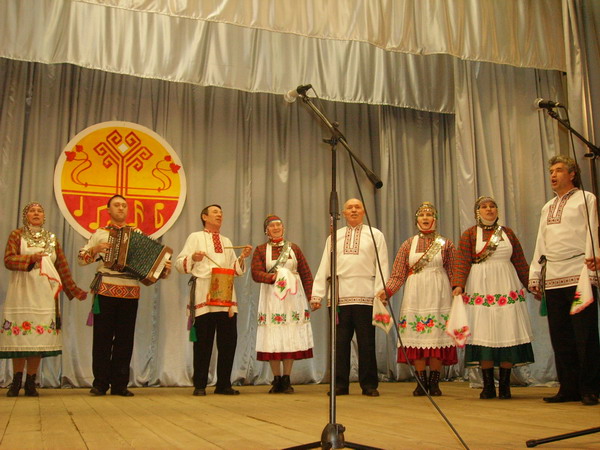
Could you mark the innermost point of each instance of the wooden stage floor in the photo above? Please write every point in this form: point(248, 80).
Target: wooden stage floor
point(172, 418)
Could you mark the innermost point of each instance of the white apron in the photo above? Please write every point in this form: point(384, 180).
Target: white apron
point(29, 317)
point(497, 308)
point(426, 304)
point(283, 324)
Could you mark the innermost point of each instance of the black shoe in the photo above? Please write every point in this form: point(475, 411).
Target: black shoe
point(97, 391)
point(30, 387)
point(15, 386)
point(434, 383)
point(276, 385)
point(562, 398)
point(286, 385)
point(489, 388)
point(504, 383)
point(370, 392)
point(340, 391)
point(199, 392)
point(227, 391)
point(589, 399)
point(422, 387)
point(122, 392)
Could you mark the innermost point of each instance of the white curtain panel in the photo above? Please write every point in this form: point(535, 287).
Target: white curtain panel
point(352, 50)
point(254, 154)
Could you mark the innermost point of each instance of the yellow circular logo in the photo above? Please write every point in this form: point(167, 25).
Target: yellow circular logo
point(119, 158)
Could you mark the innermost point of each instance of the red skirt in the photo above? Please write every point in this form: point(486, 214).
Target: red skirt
point(445, 354)
point(303, 354)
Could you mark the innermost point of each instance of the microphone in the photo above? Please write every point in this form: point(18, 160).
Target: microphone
point(540, 103)
point(292, 95)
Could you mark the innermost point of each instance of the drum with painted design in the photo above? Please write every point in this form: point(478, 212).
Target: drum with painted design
point(221, 287)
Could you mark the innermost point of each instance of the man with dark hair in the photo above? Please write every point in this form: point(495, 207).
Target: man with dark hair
point(115, 308)
point(203, 251)
point(563, 244)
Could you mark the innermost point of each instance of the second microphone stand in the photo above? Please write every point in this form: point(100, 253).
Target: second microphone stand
point(592, 155)
point(333, 433)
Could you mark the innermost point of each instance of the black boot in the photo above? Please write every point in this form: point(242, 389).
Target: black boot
point(434, 387)
point(286, 385)
point(489, 390)
point(422, 377)
point(15, 386)
point(30, 390)
point(504, 383)
point(276, 385)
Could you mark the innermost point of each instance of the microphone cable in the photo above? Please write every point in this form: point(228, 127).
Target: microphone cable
point(395, 327)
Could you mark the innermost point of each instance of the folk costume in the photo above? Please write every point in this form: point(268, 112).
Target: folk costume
point(424, 262)
point(492, 270)
point(563, 242)
point(359, 280)
point(283, 328)
point(208, 320)
point(116, 298)
point(31, 314)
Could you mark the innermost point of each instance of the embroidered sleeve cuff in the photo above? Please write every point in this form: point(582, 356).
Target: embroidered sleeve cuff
point(315, 300)
point(86, 256)
point(533, 283)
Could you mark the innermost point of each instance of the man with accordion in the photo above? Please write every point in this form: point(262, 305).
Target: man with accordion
point(122, 253)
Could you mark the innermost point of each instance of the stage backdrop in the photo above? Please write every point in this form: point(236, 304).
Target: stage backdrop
point(443, 120)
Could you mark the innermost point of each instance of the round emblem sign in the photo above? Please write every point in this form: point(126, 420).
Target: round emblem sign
point(119, 158)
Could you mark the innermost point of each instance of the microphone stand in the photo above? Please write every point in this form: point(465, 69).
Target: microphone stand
point(333, 433)
point(593, 154)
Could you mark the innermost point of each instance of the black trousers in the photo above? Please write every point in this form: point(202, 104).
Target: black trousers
point(575, 342)
point(226, 330)
point(114, 329)
point(351, 319)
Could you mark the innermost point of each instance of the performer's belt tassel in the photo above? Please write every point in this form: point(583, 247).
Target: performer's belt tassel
point(96, 305)
point(94, 287)
point(543, 306)
point(190, 326)
point(95, 284)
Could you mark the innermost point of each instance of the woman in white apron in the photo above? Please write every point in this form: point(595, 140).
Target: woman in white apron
point(423, 265)
point(490, 272)
point(30, 318)
point(284, 333)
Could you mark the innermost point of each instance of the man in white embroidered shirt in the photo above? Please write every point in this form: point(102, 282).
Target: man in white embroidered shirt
point(563, 242)
point(204, 251)
point(358, 281)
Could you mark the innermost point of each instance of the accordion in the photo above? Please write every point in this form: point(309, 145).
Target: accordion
point(133, 252)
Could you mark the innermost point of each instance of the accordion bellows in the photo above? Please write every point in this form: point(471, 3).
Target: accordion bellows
point(133, 252)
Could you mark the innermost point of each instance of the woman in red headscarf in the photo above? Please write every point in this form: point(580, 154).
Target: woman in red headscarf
point(423, 265)
point(30, 327)
point(284, 333)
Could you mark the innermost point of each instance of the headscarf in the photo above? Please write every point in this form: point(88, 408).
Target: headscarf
point(482, 222)
point(272, 218)
point(37, 236)
point(426, 206)
point(26, 210)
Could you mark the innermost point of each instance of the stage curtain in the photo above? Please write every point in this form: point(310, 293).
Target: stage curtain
point(436, 96)
point(255, 154)
point(351, 50)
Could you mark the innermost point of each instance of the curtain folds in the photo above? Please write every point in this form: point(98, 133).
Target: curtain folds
point(520, 33)
point(436, 96)
point(351, 51)
point(256, 155)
